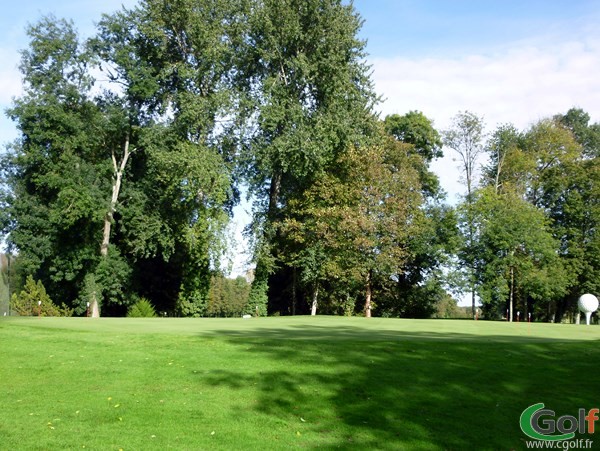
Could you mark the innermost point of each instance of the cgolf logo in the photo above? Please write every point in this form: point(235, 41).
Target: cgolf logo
point(540, 424)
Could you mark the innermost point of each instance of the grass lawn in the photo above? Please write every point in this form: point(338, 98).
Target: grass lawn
point(278, 383)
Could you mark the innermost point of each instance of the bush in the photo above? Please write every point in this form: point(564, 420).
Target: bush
point(34, 301)
point(142, 309)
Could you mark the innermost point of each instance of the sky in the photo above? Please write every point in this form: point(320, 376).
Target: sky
point(505, 60)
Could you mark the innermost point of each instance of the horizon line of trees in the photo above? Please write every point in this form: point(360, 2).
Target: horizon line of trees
point(134, 145)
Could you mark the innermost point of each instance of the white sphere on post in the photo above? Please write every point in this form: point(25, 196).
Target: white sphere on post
point(588, 304)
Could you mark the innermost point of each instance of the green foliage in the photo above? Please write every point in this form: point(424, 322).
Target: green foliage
point(192, 304)
point(205, 97)
point(357, 220)
point(53, 173)
point(311, 85)
point(33, 300)
point(416, 129)
point(568, 189)
point(311, 96)
point(61, 172)
point(91, 292)
point(258, 296)
point(397, 300)
point(4, 285)
point(586, 134)
point(112, 275)
point(142, 308)
point(447, 308)
point(509, 166)
point(466, 138)
point(530, 230)
point(515, 243)
point(228, 297)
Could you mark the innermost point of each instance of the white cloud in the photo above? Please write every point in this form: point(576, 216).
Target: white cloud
point(520, 83)
point(10, 78)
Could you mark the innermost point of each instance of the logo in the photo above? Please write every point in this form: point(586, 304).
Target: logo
point(542, 424)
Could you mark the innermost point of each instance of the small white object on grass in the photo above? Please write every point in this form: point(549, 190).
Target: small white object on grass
point(588, 304)
point(247, 316)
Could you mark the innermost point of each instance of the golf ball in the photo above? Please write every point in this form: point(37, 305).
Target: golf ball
point(588, 303)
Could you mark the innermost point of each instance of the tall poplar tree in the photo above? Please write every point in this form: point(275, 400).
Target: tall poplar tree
point(177, 59)
point(312, 97)
point(58, 172)
point(466, 138)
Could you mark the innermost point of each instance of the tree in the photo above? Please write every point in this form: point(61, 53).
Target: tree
point(507, 166)
point(415, 291)
point(143, 308)
point(4, 285)
point(465, 137)
point(178, 59)
point(586, 134)
point(552, 150)
point(416, 129)
point(33, 300)
point(517, 256)
point(228, 297)
point(353, 225)
point(547, 167)
point(115, 187)
point(56, 176)
point(568, 190)
point(309, 85)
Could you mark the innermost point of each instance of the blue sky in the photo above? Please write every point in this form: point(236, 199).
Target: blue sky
point(506, 60)
point(429, 28)
point(426, 45)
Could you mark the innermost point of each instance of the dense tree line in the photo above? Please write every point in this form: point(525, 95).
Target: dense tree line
point(136, 143)
point(529, 227)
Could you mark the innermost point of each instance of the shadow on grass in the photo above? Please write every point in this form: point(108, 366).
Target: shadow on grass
point(378, 391)
point(519, 333)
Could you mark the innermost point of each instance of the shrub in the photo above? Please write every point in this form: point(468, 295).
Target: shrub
point(33, 300)
point(142, 309)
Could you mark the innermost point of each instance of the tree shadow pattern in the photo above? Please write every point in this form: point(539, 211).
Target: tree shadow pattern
point(371, 391)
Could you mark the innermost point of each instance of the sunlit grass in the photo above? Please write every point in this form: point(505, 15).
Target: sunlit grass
point(279, 383)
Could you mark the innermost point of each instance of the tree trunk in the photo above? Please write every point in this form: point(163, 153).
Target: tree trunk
point(119, 169)
point(368, 296)
point(294, 294)
point(511, 294)
point(313, 308)
point(274, 190)
point(118, 177)
point(473, 306)
point(8, 280)
point(95, 308)
point(561, 309)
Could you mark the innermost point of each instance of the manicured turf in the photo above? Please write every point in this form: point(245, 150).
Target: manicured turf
point(278, 383)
